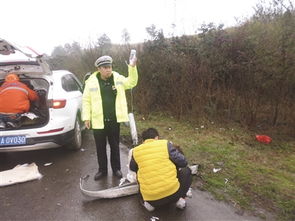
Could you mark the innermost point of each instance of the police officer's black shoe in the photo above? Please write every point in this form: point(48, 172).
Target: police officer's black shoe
point(99, 175)
point(118, 173)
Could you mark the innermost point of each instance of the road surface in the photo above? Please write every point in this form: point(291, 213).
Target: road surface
point(56, 196)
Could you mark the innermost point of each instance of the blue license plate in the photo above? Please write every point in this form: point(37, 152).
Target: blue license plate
point(12, 140)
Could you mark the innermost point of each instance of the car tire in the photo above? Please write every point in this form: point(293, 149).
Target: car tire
point(77, 139)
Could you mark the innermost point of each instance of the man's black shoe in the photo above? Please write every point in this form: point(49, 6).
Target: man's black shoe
point(99, 175)
point(118, 174)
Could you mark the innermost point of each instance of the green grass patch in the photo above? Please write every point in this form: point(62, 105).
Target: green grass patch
point(251, 174)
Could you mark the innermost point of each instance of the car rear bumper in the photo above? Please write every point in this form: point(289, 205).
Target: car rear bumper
point(39, 143)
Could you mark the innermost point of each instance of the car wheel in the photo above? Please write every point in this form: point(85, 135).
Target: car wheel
point(77, 140)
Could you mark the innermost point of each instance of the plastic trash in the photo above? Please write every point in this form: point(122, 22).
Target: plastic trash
point(19, 174)
point(48, 164)
point(263, 139)
point(215, 170)
point(189, 193)
point(194, 169)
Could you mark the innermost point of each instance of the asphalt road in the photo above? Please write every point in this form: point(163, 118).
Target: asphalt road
point(57, 196)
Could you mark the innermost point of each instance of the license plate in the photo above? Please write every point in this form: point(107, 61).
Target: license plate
point(12, 140)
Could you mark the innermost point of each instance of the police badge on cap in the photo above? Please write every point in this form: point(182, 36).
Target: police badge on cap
point(103, 61)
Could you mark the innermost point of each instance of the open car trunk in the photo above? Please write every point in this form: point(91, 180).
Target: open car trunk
point(33, 71)
point(38, 114)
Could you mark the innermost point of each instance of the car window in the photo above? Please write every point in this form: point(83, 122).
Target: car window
point(87, 75)
point(69, 83)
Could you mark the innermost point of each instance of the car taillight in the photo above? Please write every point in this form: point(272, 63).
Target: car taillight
point(56, 104)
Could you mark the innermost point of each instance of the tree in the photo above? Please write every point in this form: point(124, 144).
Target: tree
point(104, 41)
point(125, 36)
point(154, 33)
point(104, 44)
point(58, 51)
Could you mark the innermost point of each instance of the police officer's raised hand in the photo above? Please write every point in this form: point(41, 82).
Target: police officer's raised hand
point(132, 62)
point(87, 124)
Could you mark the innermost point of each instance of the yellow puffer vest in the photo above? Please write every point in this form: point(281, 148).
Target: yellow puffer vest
point(157, 175)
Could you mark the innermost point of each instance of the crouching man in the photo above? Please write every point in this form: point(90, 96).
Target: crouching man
point(162, 172)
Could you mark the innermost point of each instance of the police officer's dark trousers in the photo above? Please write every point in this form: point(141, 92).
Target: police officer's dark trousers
point(111, 132)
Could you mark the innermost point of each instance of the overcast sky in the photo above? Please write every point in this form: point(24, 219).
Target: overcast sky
point(44, 24)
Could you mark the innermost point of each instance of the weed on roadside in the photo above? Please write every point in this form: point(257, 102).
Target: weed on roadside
point(234, 166)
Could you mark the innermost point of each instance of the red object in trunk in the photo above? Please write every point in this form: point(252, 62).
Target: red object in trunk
point(263, 139)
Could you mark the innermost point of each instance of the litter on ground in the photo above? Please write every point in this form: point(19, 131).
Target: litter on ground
point(19, 174)
point(194, 169)
point(263, 139)
point(47, 164)
point(215, 170)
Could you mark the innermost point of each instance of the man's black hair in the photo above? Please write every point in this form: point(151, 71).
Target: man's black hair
point(150, 133)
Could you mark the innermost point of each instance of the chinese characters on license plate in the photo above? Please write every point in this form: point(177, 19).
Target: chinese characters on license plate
point(12, 140)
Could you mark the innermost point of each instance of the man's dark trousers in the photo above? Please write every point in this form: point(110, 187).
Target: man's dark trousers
point(111, 132)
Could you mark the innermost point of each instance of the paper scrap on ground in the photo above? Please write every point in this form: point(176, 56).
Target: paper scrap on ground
point(47, 164)
point(194, 169)
point(19, 174)
point(215, 170)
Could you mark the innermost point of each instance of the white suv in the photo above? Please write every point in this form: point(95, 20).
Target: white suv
point(58, 111)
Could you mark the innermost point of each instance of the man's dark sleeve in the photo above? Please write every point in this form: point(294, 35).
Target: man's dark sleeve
point(133, 165)
point(176, 157)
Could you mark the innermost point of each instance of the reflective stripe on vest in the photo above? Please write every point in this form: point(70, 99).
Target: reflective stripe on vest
point(15, 88)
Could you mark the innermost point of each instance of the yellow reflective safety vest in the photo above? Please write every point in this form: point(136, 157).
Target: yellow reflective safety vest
point(92, 103)
point(157, 174)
